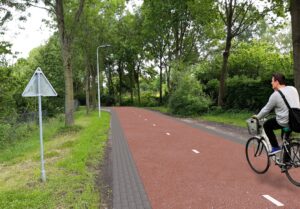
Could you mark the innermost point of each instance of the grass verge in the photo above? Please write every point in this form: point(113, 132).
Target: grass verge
point(72, 158)
point(232, 117)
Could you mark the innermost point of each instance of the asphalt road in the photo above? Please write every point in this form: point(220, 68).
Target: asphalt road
point(185, 166)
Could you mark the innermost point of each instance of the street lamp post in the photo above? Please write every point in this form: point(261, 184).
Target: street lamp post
point(99, 103)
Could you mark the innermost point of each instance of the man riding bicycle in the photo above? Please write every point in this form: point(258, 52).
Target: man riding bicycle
point(277, 103)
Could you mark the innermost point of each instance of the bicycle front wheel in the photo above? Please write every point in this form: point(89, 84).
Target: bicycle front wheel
point(257, 155)
point(293, 170)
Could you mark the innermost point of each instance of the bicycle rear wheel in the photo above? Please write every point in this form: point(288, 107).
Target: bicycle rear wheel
point(257, 155)
point(293, 171)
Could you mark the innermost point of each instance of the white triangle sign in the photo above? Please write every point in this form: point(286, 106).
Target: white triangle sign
point(32, 88)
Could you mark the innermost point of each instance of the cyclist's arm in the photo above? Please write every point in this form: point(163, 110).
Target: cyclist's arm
point(268, 107)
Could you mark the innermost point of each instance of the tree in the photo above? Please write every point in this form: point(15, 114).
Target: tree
point(279, 8)
point(157, 35)
point(67, 15)
point(237, 17)
point(295, 14)
point(172, 32)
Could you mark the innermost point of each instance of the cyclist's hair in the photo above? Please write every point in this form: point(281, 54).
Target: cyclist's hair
point(279, 77)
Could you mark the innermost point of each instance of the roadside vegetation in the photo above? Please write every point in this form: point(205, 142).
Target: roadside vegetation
point(231, 117)
point(72, 159)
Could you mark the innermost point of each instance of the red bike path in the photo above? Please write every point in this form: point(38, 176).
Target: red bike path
point(183, 167)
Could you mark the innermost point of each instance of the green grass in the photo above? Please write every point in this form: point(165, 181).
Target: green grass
point(72, 157)
point(232, 117)
point(161, 109)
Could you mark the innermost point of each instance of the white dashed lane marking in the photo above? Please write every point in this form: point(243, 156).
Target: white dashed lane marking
point(195, 151)
point(274, 201)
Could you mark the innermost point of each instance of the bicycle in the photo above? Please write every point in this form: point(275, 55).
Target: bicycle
point(258, 148)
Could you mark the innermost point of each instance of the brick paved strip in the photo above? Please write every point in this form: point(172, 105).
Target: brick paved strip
point(128, 190)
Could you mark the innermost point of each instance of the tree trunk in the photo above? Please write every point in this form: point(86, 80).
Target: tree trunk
point(131, 83)
point(138, 82)
point(69, 100)
point(110, 84)
point(295, 14)
point(120, 83)
point(224, 72)
point(160, 81)
point(168, 75)
point(87, 87)
point(66, 54)
point(94, 87)
point(66, 42)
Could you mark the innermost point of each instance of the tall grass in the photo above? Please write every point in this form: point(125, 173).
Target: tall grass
point(72, 157)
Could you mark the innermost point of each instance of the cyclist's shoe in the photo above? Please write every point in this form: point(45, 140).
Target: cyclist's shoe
point(274, 150)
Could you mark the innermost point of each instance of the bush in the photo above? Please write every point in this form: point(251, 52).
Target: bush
point(148, 100)
point(188, 97)
point(243, 92)
point(108, 100)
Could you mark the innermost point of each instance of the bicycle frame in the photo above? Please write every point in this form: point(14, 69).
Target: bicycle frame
point(288, 159)
point(265, 140)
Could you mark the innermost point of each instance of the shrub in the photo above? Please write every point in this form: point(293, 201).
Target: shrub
point(188, 97)
point(148, 99)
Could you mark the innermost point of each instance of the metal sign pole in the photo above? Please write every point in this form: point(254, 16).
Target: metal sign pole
point(39, 86)
point(41, 128)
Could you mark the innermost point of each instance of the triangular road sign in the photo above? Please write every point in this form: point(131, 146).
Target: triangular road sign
point(46, 88)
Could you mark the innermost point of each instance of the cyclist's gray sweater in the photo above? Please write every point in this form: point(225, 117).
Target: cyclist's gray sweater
point(277, 103)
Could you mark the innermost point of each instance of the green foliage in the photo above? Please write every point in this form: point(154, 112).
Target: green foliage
point(9, 84)
point(211, 89)
point(250, 67)
point(188, 97)
point(148, 100)
point(48, 58)
point(253, 94)
point(258, 59)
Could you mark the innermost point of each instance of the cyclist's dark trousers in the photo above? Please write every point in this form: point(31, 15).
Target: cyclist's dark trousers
point(270, 125)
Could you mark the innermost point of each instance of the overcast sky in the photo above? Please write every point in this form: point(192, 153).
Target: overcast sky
point(33, 33)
